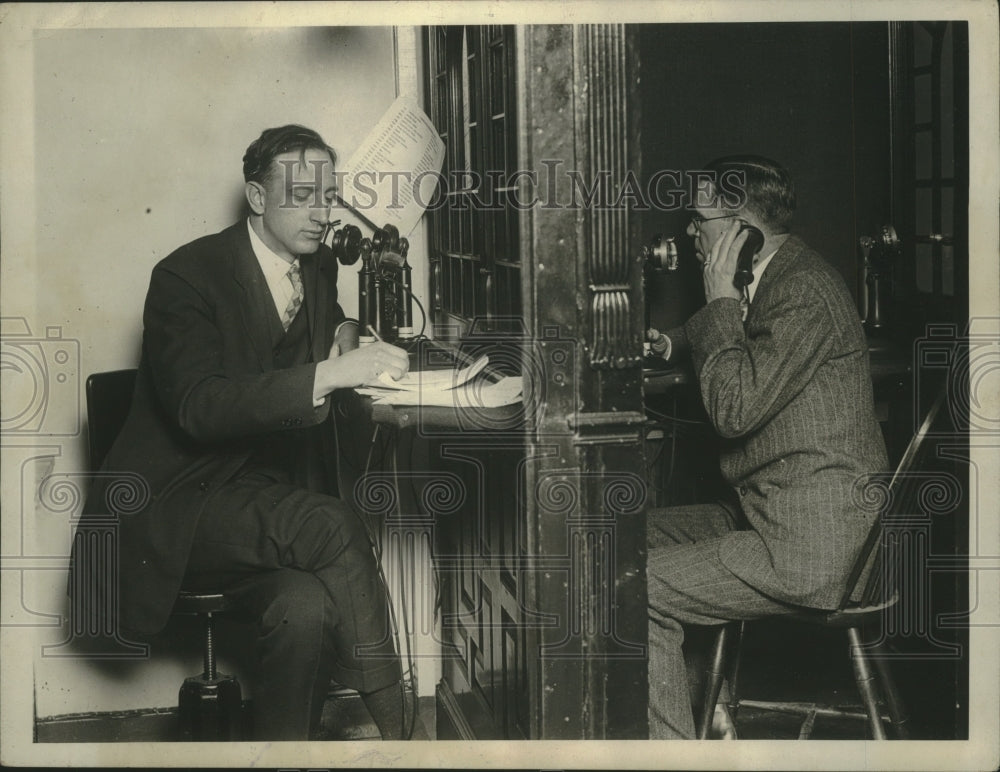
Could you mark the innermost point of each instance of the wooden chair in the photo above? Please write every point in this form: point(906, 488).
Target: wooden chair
point(865, 602)
point(209, 705)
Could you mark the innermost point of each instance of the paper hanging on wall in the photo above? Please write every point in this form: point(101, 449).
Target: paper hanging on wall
point(393, 175)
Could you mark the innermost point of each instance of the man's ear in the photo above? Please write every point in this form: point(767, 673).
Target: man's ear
point(256, 196)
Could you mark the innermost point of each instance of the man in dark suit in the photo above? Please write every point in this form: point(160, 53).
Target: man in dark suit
point(244, 345)
point(784, 377)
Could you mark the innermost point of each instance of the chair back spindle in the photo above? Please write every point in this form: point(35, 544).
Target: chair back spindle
point(871, 580)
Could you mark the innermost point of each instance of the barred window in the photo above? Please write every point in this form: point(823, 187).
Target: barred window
point(474, 240)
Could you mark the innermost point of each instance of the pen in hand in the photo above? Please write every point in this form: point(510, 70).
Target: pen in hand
point(374, 334)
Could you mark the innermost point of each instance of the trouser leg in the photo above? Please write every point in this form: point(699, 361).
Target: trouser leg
point(255, 525)
point(688, 584)
point(669, 712)
point(294, 621)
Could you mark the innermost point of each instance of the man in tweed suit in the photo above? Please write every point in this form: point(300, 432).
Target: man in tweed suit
point(784, 377)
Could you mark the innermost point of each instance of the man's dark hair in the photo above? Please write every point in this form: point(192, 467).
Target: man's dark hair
point(770, 194)
point(273, 142)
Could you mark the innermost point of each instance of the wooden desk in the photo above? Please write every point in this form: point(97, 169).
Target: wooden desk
point(437, 420)
point(514, 606)
point(458, 484)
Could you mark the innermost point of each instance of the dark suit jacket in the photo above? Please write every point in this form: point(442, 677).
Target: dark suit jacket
point(790, 392)
point(206, 394)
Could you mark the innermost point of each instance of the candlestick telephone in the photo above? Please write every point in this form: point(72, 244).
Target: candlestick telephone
point(879, 254)
point(384, 285)
point(661, 255)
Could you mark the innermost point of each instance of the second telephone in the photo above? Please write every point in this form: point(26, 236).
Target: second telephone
point(744, 263)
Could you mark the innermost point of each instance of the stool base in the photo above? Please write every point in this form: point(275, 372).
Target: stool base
point(210, 710)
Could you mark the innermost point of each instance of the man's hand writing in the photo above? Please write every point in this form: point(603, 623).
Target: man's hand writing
point(359, 367)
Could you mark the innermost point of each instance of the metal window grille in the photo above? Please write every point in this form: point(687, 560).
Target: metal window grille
point(475, 250)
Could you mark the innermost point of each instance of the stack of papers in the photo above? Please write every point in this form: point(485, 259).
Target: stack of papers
point(446, 388)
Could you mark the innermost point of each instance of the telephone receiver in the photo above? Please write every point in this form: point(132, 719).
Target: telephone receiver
point(346, 244)
point(744, 263)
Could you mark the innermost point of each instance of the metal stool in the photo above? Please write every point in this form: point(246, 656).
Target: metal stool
point(210, 705)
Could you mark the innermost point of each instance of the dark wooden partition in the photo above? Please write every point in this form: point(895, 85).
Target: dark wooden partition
point(544, 606)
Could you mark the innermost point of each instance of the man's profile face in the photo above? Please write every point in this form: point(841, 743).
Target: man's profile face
point(707, 224)
point(295, 201)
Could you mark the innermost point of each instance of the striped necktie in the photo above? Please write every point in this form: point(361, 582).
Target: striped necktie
point(295, 277)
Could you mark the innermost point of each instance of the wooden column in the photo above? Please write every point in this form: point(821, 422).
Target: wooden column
point(585, 489)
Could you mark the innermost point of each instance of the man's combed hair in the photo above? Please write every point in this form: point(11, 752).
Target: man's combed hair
point(770, 194)
point(273, 142)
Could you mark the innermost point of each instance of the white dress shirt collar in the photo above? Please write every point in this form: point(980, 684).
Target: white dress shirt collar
point(275, 269)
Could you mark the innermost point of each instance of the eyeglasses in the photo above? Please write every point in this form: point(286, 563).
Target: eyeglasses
point(697, 219)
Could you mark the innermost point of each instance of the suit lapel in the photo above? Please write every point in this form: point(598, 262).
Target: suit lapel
point(314, 286)
point(256, 304)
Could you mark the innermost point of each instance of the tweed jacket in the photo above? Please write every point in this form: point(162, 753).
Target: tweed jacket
point(789, 390)
point(207, 395)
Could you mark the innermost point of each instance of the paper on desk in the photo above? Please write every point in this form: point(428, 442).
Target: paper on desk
point(427, 381)
point(470, 395)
